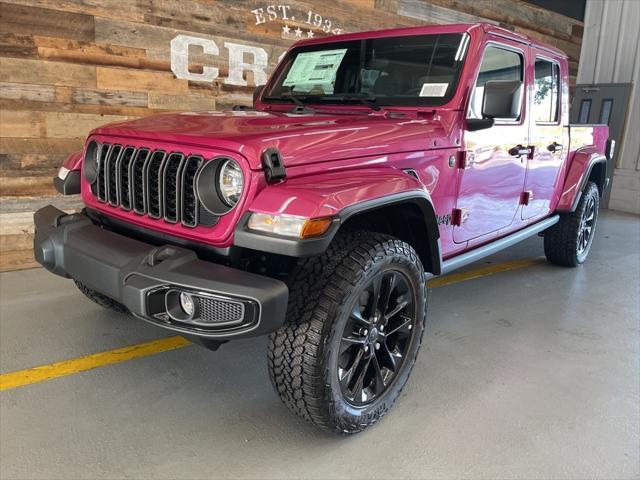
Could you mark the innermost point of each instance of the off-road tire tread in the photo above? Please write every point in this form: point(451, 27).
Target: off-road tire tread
point(101, 299)
point(560, 240)
point(297, 358)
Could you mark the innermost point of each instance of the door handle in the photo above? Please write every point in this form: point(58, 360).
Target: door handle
point(519, 151)
point(555, 147)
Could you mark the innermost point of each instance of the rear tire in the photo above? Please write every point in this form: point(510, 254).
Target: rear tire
point(101, 299)
point(343, 356)
point(568, 242)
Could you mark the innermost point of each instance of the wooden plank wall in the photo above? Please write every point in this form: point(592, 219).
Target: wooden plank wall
point(67, 66)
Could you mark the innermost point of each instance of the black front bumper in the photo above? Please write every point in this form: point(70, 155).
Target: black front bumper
point(140, 275)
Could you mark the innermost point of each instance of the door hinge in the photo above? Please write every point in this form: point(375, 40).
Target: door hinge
point(466, 159)
point(456, 217)
point(526, 197)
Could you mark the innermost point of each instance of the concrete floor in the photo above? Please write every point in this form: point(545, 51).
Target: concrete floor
point(532, 373)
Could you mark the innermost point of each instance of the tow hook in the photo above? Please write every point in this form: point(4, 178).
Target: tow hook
point(158, 255)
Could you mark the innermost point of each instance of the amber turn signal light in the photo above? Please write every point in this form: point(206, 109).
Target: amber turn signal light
point(315, 227)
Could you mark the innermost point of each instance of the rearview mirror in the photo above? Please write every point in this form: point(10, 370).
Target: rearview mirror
point(256, 94)
point(502, 99)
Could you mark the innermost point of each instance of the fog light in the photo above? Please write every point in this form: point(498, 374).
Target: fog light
point(186, 303)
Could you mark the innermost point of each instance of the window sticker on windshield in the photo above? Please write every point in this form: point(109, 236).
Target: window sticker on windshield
point(315, 68)
point(434, 89)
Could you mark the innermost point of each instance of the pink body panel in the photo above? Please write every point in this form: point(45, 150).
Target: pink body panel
point(301, 139)
point(328, 194)
point(342, 155)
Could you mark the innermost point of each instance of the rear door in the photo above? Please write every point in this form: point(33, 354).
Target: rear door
point(549, 135)
point(492, 181)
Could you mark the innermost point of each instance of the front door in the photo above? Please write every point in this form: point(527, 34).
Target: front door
point(548, 134)
point(492, 181)
point(604, 103)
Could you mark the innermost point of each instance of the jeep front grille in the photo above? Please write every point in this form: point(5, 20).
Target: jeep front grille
point(149, 182)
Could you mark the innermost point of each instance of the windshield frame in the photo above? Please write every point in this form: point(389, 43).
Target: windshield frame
point(357, 98)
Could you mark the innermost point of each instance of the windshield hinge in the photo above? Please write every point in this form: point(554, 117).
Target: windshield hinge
point(425, 113)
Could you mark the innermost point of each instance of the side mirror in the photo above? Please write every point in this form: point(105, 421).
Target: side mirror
point(256, 94)
point(502, 99)
point(475, 124)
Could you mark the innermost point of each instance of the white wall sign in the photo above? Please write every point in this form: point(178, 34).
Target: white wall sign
point(248, 58)
point(309, 20)
point(239, 62)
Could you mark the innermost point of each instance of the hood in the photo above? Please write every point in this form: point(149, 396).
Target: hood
point(300, 138)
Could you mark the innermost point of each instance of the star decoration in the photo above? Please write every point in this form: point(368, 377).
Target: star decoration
point(310, 34)
point(298, 32)
point(286, 29)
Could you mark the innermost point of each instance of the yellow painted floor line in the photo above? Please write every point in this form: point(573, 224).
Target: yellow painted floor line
point(110, 357)
point(483, 272)
point(89, 362)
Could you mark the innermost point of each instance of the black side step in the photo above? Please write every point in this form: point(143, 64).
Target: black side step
point(497, 245)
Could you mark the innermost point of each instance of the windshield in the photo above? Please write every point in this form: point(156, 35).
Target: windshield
point(411, 70)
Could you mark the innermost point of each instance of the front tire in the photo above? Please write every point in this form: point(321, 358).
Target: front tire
point(355, 323)
point(568, 242)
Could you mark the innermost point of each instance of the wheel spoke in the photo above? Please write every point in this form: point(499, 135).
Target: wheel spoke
point(391, 358)
point(349, 373)
point(406, 322)
point(580, 236)
point(358, 384)
point(380, 383)
point(356, 314)
point(388, 284)
point(374, 299)
point(349, 341)
point(401, 305)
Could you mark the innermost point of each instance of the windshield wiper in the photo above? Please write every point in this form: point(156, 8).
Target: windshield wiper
point(368, 100)
point(300, 105)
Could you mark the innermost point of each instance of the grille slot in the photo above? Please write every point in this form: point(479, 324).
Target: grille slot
point(151, 182)
point(137, 175)
point(214, 311)
point(190, 203)
point(171, 173)
point(154, 183)
point(112, 165)
point(123, 177)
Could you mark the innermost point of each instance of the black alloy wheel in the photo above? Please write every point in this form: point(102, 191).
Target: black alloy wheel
point(587, 223)
point(376, 338)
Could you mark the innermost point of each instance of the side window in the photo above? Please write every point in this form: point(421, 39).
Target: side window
point(497, 64)
point(546, 87)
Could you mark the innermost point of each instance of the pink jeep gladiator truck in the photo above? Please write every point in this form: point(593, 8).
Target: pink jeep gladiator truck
point(370, 162)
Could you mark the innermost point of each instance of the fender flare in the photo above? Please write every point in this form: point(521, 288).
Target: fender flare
point(577, 177)
point(417, 197)
point(413, 193)
point(70, 185)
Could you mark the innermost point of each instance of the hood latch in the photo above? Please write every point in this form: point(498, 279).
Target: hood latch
point(274, 170)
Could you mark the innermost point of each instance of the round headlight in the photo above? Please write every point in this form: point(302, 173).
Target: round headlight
point(230, 182)
point(91, 158)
